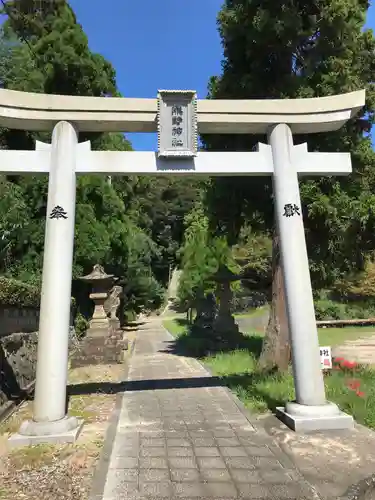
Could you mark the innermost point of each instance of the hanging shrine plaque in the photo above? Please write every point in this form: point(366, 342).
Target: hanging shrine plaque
point(177, 123)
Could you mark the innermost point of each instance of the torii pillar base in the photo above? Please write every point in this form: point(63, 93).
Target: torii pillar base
point(64, 431)
point(303, 418)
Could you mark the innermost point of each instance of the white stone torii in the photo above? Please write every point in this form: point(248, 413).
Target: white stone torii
point(69, 115)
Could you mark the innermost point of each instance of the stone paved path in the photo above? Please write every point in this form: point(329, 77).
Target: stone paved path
point(179, 436)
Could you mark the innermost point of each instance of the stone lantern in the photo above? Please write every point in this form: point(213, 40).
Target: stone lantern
point(101, 284)
point(224, 322)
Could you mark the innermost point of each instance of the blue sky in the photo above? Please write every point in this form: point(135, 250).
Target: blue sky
point(154, 44)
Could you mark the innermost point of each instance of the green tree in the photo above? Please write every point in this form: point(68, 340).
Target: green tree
point(288, 50)
point(201, 255)
point(45, 50)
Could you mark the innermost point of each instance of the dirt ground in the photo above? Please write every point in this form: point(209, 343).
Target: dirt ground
point(60, 472)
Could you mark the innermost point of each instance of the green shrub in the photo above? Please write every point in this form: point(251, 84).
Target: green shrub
point(19, 294)
point(326, 309)
point(80, 325)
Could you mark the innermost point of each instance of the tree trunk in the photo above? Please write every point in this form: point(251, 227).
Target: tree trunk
point(276, 349)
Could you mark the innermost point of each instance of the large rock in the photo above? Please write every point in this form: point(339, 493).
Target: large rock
point(18, 354)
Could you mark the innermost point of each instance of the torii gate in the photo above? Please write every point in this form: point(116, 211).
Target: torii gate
point(178, 116)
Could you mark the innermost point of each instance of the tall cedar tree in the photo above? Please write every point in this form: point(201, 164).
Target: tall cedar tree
point(297, 49)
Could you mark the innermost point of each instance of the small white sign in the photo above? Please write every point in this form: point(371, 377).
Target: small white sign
point(326, 358)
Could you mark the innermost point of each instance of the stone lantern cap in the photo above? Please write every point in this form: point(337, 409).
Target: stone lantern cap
point(98, 274)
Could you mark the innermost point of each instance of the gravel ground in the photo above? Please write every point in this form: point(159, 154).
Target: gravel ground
point(60, 472)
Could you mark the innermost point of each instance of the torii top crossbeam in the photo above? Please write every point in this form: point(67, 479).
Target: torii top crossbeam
point(32, 111)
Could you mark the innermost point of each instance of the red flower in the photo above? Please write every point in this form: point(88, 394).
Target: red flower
point(338, 359)
point(354, 384)
point(349, 364)
point(360, 394)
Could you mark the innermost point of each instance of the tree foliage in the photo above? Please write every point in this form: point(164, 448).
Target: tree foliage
point(295, 49)
point(201, 255)
point(131, 225)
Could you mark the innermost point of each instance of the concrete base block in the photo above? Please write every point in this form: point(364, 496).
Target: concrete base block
point(314, 422)
point(65, 437)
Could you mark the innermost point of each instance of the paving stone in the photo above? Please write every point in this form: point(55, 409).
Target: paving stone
point(215, 475)
point(153, 451)
point(188, 490)
point(233, 451)
point(153, 475)
point(176, 434)
point(123, 475)
point(253, 440)
point(206, 452)
point(239, 463)
point(200, 433)
point(203, 442)
point(151, 435)
point(233, 441)
point(180, 452)
point(194, 427)
point(179, 475)
point(245, 476)
point(266, 463)
point(223, 433)
point(120, 491)
point(182, 463)
point(153, 463)
point(259, 451)
point(273, 476)
point(146, 442)
point(173, 414)
point(254, 491)
point(220, 490)
point(173, 442)
point(211, 463)
point(155, 490)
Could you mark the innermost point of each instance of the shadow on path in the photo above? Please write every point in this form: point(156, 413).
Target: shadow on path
point(144, 385)
point(198, 342)
point(235, 382)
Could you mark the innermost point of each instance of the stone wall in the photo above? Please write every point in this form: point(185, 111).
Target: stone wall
point(18, 353)
point(15, 319)
point(20, 319)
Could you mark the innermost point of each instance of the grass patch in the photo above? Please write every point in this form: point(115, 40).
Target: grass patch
point(327, 336)
point(336, 336)
point(176, 327)
point(265, 390)
point(33, 456)
point(255, 313)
